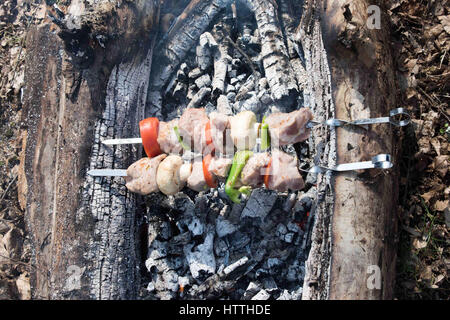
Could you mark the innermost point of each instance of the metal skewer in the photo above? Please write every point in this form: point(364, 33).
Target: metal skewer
point(392, 119)
point(381, 161)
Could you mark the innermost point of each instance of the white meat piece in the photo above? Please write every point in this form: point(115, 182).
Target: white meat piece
point(284, 173)
point(289, 128)
point(167, 139)
point(221, 133)
point(220, 167)
point(254, 170)
point(196, 180)
point(141, 175)
point(192, 123)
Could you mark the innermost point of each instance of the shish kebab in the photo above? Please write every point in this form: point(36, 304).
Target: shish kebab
point(194, 131)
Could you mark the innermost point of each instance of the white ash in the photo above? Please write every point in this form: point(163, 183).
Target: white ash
point(201, 258)
point(201, 245)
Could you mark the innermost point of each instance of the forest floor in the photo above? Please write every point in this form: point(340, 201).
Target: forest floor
point(420, 37)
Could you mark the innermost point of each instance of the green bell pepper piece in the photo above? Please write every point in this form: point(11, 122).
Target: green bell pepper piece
point(265, 138)
point(239, 160)
point(180, 139)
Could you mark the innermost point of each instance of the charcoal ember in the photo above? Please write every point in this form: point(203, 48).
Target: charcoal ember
point(180, 91)
point(203, 81)
point(150, 287)
point(195, 73)
point(264, 97)
point(232, 73)
point(221, 248)
point(234, 81)
point(281, 230)
point(285, 295)
point(263, 84)
point(230, 88)
point(182, 77)
point(252, 289)
point(165, 231)
point(297, 294)
point(311, 178)
point(259, 204)
point(223, 105)
point(201, 258)
point(295, 272)
point(231, 96)
point(260, 251)
point(247, 87)
point(251, 103)
point(290, 202)
point(261, 295)
point(198, 98)
point(293, 227)
point(204, 50)
point(274, 263)
point(155, 261)
point(224, 227)
point(196, 227)
point(301, 208)
point(289, 237)
point(239, 240)
point(270, 285)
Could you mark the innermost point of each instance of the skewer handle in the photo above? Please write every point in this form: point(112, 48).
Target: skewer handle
point(392, 119)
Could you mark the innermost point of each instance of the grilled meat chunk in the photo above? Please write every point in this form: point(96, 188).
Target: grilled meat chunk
point(196, 180)
point(141, 175)
point(192, 127)
point(283, 173)
point(221, 133)
point(220, 167)
point(289, 128)
point(167, 138)
point(254, 170)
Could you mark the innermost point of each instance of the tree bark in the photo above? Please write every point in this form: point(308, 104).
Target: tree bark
point(83, 231)
point(363, 225)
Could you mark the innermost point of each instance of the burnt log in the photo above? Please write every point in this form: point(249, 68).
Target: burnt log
point(83, 86)
point(353, 254)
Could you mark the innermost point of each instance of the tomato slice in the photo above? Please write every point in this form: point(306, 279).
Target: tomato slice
point(267, 175)
point(149, 129)
point(208, 135)
point(209, 178)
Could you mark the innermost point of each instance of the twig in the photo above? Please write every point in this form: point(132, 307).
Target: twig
point(7, 189)
point(17, 261)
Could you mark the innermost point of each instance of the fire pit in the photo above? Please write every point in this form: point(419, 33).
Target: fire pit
point(202, 245)
point(118, 65)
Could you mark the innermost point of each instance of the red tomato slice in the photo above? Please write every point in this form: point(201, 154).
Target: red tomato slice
point(149, 129)
point(267, 175)
point(209, 178)
point(208, 135)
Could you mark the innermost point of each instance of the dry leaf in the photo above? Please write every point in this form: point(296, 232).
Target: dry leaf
point(419, 244)
point(439, 278)
point(440, 164)
point(440, 205)
point(445, 21)
point(429, 195)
